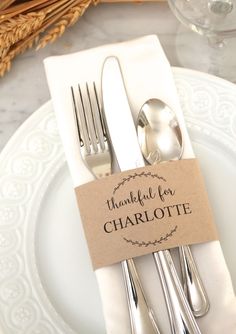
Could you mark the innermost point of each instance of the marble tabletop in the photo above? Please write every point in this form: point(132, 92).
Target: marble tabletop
point(24, 89)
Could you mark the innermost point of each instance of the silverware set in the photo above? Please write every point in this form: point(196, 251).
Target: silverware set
point(99, 134)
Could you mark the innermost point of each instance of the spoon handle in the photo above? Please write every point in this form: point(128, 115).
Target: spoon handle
point(142, 317)
point(193, 286)
point(181, 317)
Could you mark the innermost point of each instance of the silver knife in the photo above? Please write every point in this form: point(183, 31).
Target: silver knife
point(116, 105)
point(124, 140)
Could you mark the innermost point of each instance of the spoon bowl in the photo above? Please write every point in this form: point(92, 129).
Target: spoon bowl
point(159, 133)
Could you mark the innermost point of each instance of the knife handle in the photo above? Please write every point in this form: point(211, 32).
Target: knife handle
point(141, 315)
point(181, 317)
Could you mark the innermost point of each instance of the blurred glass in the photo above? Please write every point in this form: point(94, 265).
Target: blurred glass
point(215, 20)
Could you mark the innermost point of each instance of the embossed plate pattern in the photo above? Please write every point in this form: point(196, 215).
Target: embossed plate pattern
point(44, 265)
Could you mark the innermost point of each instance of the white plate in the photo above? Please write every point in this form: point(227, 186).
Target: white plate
point(46, 281)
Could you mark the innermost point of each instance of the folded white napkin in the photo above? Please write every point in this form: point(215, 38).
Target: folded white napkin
point(147, 74)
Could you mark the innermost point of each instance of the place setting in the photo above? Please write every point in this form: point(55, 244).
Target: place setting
point(117, 211)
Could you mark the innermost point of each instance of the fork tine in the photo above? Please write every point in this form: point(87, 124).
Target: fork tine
point(81, 123)
point(98, 119)
point(82, 107)
point(88, 105)
point(76, 117)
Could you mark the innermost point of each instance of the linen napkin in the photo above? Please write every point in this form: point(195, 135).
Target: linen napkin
point(147, 74)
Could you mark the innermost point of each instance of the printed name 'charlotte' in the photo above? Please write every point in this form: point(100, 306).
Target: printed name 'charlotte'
point(158, 214)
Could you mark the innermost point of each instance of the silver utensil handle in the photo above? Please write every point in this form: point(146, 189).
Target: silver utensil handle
point(193, 286)
point(142, 317)
point(181, 317)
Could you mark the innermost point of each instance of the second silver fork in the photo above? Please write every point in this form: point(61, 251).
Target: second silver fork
point(96, 154)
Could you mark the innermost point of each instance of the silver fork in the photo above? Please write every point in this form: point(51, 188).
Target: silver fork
point(96, 154)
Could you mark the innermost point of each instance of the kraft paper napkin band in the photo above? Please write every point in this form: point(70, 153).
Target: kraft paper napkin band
point(145, 210)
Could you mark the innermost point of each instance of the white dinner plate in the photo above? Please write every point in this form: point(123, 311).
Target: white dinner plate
point(46, 281)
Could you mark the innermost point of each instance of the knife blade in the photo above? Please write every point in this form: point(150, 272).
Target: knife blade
point(123, 136)
point(142, 317)
point(119, 117)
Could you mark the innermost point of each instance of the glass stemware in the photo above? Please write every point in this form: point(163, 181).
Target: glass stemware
point(216, 20)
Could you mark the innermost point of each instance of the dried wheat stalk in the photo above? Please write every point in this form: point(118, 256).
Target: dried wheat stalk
point(12, 52)
point(24, 23)
point(67, 20)
point(14, 30)
point(5, 3)
point(3, 52)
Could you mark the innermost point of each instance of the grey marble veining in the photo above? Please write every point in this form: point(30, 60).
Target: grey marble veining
point(24, 89)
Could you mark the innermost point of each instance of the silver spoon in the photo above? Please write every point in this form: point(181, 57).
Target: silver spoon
point(160, 140)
